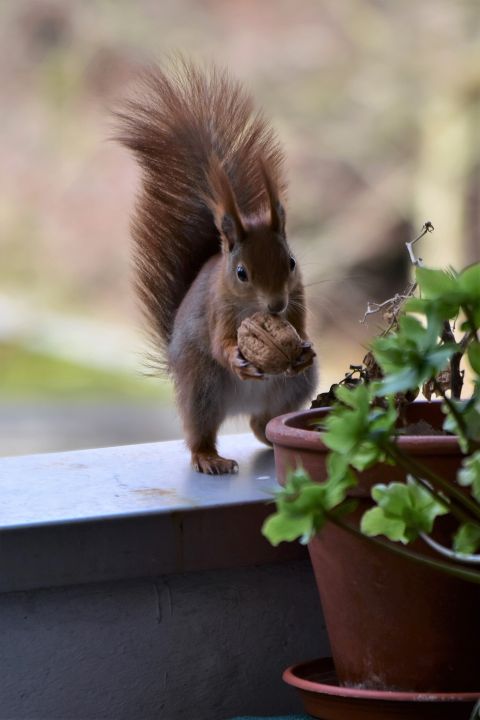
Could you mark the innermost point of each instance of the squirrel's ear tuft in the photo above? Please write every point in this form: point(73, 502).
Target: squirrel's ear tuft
point(229, 231)
point(221, 201)
point(278, 218)
point(277, 211)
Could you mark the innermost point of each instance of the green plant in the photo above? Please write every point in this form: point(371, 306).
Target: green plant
point(417, 350)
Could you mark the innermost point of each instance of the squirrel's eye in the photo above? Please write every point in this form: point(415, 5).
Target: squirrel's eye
point(292, 263)
point(242, 273)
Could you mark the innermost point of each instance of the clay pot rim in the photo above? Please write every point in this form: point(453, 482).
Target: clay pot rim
point(294, 675)
point(281, 431)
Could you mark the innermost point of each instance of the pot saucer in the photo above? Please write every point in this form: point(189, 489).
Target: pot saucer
point(324, 698)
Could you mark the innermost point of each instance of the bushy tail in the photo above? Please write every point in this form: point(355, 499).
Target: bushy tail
point(175, 124)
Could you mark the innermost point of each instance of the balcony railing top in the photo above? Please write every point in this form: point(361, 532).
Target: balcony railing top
point(132, 511)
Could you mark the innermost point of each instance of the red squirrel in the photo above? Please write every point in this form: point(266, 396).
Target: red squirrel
point(210, 249)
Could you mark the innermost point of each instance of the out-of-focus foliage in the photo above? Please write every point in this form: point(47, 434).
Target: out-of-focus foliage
point(377, 103)
point(27, 374)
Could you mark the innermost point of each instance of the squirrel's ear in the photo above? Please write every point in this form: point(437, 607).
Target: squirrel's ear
point(230, 231)
point(277, 211)
point(224, 206)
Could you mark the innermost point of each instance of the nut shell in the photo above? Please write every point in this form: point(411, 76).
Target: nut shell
point(269, 342)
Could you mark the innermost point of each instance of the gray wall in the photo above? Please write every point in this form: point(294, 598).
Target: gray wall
point(198, 646)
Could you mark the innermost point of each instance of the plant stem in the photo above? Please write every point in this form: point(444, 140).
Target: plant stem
point(456, 382)
point(454, 410)
point(470, 319)
point(459, 572)
point(428, 227)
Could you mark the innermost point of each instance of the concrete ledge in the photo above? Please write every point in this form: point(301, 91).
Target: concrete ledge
point(102, 616)
point(132, 511)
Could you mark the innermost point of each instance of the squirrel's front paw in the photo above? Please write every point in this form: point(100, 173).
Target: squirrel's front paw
point(304, 360)
point(244, 369)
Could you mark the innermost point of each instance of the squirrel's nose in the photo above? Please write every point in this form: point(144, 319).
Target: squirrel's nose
point(277, 306)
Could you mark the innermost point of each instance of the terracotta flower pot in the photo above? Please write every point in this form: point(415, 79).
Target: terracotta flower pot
point(392, 624)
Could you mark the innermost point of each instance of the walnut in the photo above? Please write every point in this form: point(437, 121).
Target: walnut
point(269, 342)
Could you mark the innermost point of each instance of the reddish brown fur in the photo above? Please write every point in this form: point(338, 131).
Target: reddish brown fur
point(177, 125)
point(209, 204)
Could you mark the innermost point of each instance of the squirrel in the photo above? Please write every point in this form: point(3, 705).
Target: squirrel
point(210, 249)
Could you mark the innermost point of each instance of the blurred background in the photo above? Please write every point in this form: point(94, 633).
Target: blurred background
point(376, 102)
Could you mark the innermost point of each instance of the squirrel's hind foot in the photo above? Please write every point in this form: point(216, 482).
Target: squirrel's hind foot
point(212, 464)
point(258, 425)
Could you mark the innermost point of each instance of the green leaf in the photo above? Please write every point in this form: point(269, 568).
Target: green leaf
point(469, 282)
point(304, 500)
point(445, 293)
point(467, 539)
point(340, 480)
point(358, 398)
point(412, 329)
point(470, 411)
point(443, 308)
point(412, 355)
point(469, 475)
point(302, 505)
point(345, 508)
point(474, 356)
point(417, 305)
point(392, 498)
point(436, 283)
point(407, 509)
point(441, 294)
point(356, 430)
point(476, 316)
point(376, 522)
point(283, 527)
point(402, 381)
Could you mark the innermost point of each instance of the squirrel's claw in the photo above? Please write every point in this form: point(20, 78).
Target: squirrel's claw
point(212, 464)
point(304, 360)
point(244, 369)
